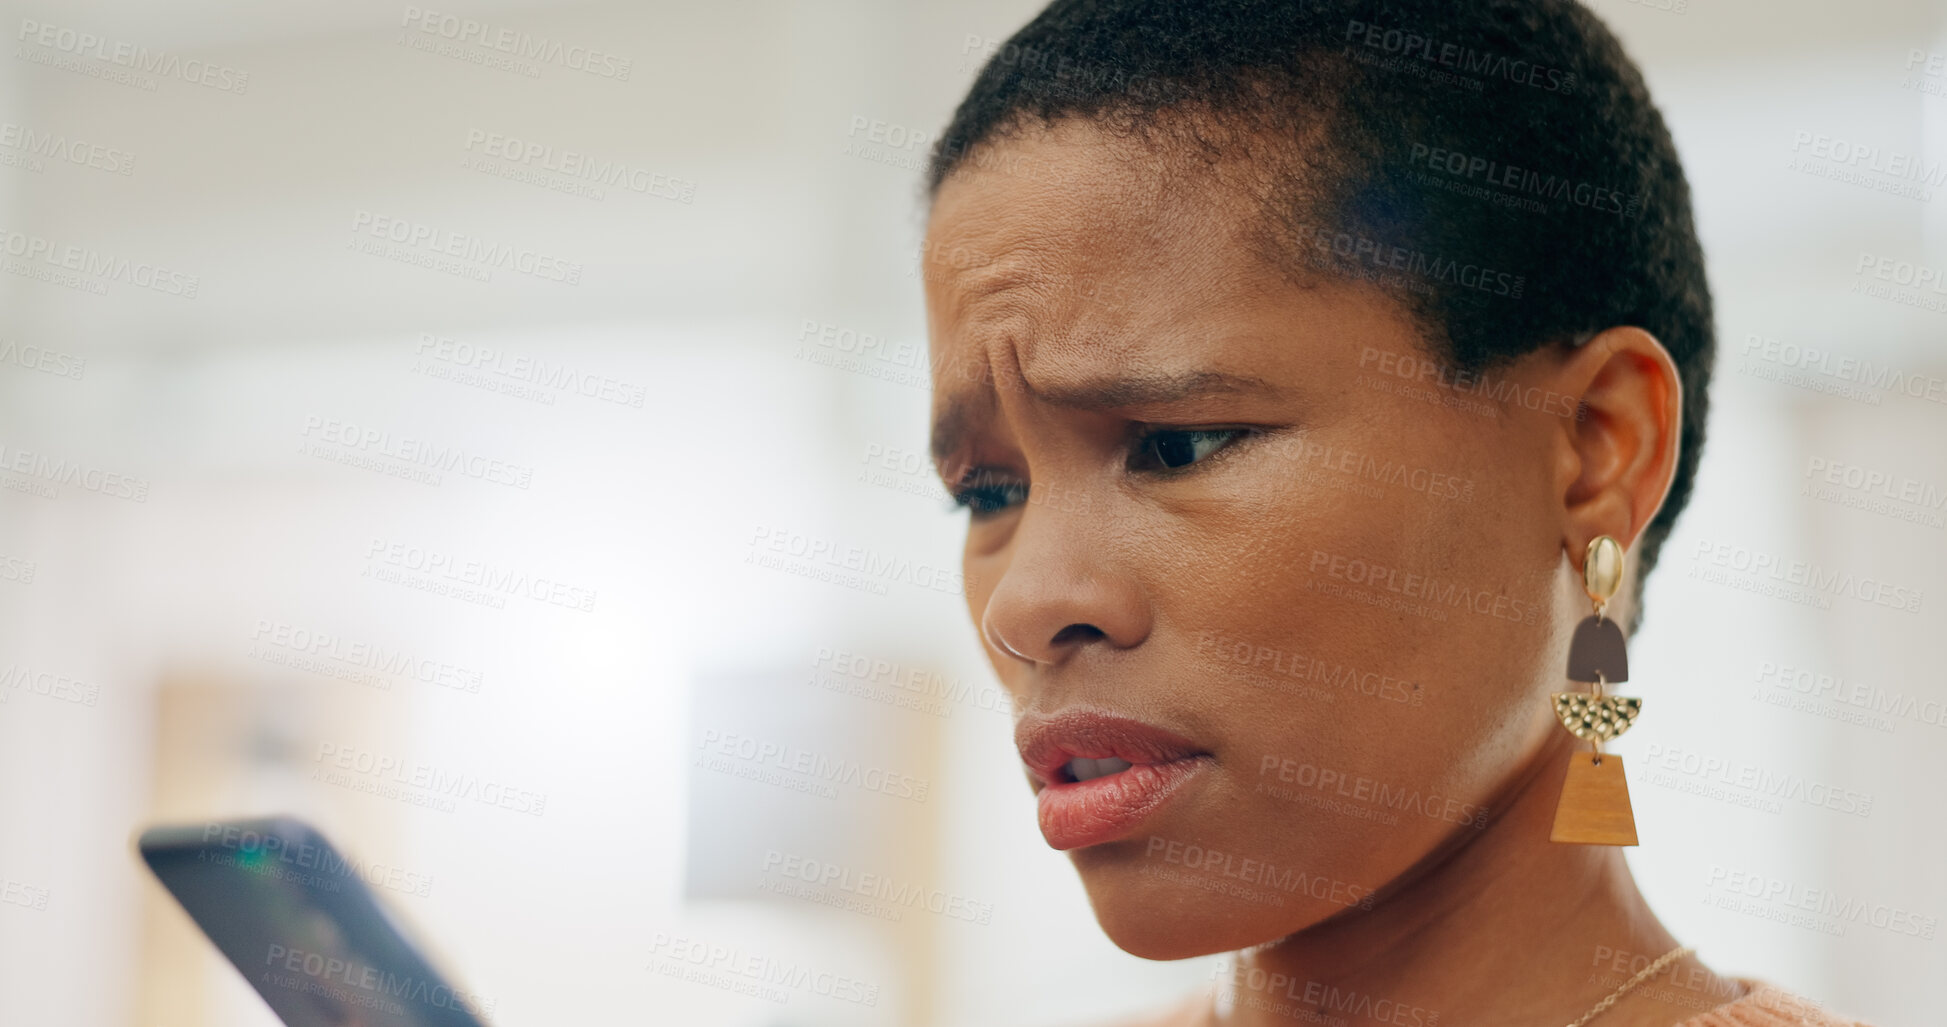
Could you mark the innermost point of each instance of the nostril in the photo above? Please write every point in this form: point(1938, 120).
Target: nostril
point(1076, 633)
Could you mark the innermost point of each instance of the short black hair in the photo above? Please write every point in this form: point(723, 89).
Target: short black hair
point(1502, 157)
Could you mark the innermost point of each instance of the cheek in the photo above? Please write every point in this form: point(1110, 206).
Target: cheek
point(1292, 655)
point(1365, 627)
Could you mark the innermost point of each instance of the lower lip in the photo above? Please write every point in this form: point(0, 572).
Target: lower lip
point(1080, 813)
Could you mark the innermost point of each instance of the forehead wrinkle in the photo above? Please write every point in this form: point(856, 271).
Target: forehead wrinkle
point(1008, 254)
point(1108, 391)
point(1118, 389)
point(1062, 359)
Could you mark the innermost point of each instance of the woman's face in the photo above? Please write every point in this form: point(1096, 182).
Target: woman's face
point(1249, 513)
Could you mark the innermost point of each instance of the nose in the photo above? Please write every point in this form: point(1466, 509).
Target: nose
point(1067, 585)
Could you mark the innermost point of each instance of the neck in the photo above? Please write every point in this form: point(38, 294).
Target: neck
point(1505, 927)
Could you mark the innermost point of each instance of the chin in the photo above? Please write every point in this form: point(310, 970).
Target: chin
point(1157, 911)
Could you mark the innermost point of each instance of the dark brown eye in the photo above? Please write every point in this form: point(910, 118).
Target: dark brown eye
point(1172, 448)
point(985, 492)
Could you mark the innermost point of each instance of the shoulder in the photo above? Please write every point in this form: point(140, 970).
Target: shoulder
point(1767, 1005)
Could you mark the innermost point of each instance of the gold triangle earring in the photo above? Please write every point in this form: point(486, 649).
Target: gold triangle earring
point(1594, 807)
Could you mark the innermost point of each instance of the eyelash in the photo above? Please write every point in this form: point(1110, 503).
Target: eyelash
point(978, 483)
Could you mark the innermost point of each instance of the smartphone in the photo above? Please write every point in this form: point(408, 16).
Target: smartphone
point(298, 920)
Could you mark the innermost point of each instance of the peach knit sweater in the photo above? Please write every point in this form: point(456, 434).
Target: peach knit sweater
point(1767, 1005)
point(1763, 1005)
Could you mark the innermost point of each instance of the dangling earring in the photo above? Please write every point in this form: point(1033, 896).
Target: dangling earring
point(1594, 807)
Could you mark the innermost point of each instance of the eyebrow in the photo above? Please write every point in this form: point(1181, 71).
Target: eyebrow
point(956, 421)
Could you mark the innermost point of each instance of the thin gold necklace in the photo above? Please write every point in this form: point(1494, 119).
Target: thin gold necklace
point(1600, 1007)
point(1647, 972)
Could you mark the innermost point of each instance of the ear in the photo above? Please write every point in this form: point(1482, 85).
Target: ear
point(1618, 455)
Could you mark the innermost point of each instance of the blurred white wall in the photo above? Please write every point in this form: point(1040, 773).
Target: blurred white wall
point(230, 408)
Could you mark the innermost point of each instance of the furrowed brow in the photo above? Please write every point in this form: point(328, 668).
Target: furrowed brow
point(1134, 390)
point(956, 420)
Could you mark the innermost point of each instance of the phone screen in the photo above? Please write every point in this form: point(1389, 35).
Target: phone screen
point(295, 917)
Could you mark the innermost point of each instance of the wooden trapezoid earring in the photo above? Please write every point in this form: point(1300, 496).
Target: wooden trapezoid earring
point(1594, 807)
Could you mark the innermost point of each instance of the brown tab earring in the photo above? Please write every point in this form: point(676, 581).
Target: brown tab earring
point(1594, 807)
